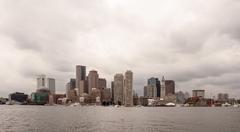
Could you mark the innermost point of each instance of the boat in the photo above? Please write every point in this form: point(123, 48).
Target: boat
point(170, 104)
point(116, 106)
point(75, 104)
point(226, 105)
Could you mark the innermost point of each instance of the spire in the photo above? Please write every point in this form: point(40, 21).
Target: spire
point(163, 79)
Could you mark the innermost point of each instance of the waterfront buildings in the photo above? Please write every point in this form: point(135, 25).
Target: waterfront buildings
point(80, 78)
point(128, 89)
point(92, 80)
point(95, 96)
point(112, 90)
point(72, 83)
point(83, 84)
point(106, 96)
point(198, 93)
point(56, 97)
point(118, 89)
point(18, 97)
point(102, 83)
point(163, 87)
point(159, 89)
point(149, 91)
point(223, 97)
point(80, 74)
point(40, 97)
point(72, 95)
point(153, 88)
point(155, 83)
point(123, 87)
point(170, 87)
point(46, 83)
point(180, 97)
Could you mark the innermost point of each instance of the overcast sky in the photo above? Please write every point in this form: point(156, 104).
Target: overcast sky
point(194, 42)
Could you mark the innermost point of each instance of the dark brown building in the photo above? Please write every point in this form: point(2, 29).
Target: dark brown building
point(170, 87)
point(92, 80)
point(102, 83)
point(57, 96)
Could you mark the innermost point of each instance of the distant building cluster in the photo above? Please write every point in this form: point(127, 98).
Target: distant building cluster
point(158, 93)
point(91, 89)
point(159, 89)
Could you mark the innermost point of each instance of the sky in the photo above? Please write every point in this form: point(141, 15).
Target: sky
point(194, 42)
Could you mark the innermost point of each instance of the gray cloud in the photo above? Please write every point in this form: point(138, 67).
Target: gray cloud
point(194, 43)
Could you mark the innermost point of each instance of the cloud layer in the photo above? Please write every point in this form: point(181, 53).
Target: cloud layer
point(195, 43)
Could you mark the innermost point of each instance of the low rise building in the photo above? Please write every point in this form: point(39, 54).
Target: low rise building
point(40, 97)
point(18, 97)
point(198, 93)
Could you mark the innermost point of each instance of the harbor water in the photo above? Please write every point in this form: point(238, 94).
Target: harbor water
point(19, 118)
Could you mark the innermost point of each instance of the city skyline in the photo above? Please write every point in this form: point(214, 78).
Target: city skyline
point(196, 44)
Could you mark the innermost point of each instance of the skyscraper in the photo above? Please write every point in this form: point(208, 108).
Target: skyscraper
point(145, 91)
point(92, 80)
point(149, 91)
point(156, 86)
point(128, 88)
point(46, 83)
point(102, 83)
point(163, 88)
point(170, 87)
point(41, 82)
point(72, 83)
point(118, 89)
point(51, 85)
point(80, 74)
point(80, 77)
point(83, 87)
point(112, 90)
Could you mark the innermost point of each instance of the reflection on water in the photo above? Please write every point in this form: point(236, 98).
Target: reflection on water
point(111, 119)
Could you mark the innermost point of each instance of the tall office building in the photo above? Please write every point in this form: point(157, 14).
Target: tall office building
point(170, 87)
point(155, 83)
point(83, 87)
point(71, 94)
point(149, 91)
point(92, 80)
point(112, 90)
point(128, 89)
point(72, 83)
point(106, 95)
point(102, 83)
point(118, 89)
point(51, 85)
point(145, 91)
point(46, 83)
point(42, 82)
point(163, 88)
point(80, 79)
point(80, 74)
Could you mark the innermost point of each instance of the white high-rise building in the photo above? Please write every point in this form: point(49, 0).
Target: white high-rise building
point(163, 87)
point(128, 89)
point(123, 89)
point(118, 89)
point(46, 83)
